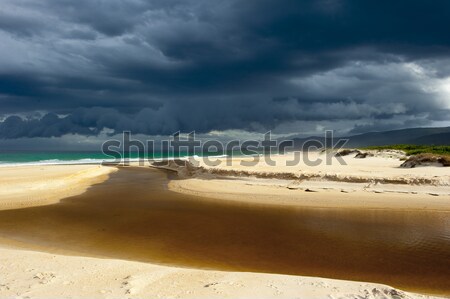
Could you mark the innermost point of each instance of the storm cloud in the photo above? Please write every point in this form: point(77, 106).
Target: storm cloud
point(156, 67)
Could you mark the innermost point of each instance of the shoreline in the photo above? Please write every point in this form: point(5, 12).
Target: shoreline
point(285, 283)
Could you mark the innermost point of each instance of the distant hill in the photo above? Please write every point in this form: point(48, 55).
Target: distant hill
point(418, 136)
point(434, 139)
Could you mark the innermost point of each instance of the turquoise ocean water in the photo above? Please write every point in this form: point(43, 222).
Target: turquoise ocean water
point(28, 157)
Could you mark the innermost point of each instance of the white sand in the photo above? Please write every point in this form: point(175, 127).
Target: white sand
point(374, 182)
point(379, 168)
point(27, 186)
point(28, 274)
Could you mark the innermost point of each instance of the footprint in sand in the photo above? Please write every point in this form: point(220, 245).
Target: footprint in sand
point(44, 277)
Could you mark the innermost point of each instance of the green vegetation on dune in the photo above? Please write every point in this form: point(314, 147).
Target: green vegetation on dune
point(411, 149)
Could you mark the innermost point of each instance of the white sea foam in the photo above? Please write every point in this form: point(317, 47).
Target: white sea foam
point(55, 162)
point(93, 161)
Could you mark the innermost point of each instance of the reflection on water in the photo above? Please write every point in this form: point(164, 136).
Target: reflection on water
point(133, 216)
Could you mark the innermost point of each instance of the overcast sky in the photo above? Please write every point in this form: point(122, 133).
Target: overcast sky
point(91, 67)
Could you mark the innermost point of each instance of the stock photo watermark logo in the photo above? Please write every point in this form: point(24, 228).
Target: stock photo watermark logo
point(213, 152)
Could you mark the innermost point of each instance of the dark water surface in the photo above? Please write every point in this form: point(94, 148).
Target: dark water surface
point(133, 216)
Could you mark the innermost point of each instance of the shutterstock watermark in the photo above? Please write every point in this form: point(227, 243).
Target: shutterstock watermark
point(213, 152)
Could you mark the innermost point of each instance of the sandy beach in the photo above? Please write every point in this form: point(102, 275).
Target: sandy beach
point(102, 232)
point(31, 274)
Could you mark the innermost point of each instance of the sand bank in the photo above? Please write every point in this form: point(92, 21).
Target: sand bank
point(373, 182)
point(28, 186)
point(383, 168)
point(311, 195)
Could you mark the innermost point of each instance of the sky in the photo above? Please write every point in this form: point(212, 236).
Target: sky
point(81, 71)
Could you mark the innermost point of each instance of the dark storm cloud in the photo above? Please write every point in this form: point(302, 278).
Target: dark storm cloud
point(155, 67)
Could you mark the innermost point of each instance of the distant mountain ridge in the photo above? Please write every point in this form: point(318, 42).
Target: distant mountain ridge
point(417, 136)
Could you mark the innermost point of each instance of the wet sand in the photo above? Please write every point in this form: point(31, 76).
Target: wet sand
point(133, 216)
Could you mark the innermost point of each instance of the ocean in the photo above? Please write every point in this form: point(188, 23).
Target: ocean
point(53, 158)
